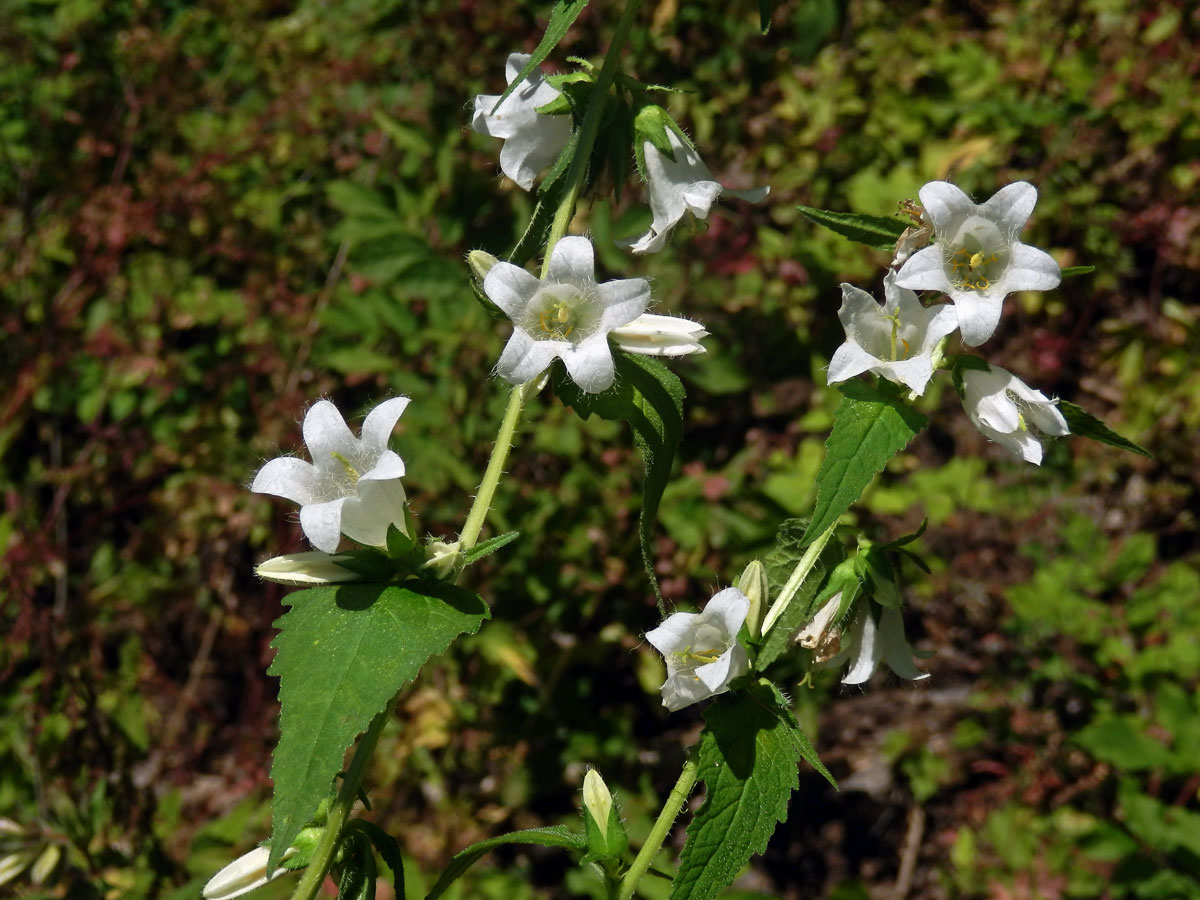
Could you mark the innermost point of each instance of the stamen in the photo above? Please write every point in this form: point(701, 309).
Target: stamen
point(350, 470)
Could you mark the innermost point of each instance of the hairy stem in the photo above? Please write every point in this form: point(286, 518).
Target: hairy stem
point(495, 466)
point(339, 812)
point(589, 129)
point(662, 825)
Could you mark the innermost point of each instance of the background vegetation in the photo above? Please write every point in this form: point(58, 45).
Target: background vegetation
point(211, 214)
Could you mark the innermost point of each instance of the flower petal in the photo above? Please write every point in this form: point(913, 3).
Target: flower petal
point(978, 315)
point(524, 358)
point(1030, 269)
point(326, 433)
point(288, 477)
point(673, 634)
point(849, 360)
point(510, 288)
point(897, 652)
point(624, 300)
point(912, 373)
point(387, 466)
point(1011, 206)
point(590, 363)
point(730, 607)
point(654, 335)
point(572, 261)
point(865, 650)
point(924, 271)
point(378, 425)
point(366, 518)
point(322, 524)
point(945, 205)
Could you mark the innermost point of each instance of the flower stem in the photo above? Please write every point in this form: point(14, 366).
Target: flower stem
point(495, 466)
point(801, 572)
point(339, 812)
point(589, 129)
point(662, 825)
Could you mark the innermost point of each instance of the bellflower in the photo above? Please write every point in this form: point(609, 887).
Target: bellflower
point(895, 341)
point(701, 649)
point(872, 642)
point(532, 141)
point(1003, 408)
point(653, 335)
point(977, 257)
point(678, 186)
point(352, 486)
point(245, 874)
point(312, 567)
point(566, 316)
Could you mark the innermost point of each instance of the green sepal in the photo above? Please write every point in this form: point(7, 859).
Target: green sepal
point(555, 836)
point(877, 232)
point(877, 573)
point(844, 579)
point(368, 562)
point(490, 546)
point(1084, 424)
point(565, 12)
point(399, 544)
point(1072, 271)
point(610, 845)
point(650, 123)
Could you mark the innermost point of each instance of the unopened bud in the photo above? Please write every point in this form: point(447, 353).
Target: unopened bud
point(245, 874)
point(481, 263)
point(753, 583)
point(312, 567)
point(444, 560)
point(597, 801)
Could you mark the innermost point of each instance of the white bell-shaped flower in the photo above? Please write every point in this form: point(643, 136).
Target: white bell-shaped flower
point(532, 141)
point(566, 316)
point(653, 335)
point(895, 340)
point(679, 186)
point(352, 486)
point(1003, 408)
point(701, 649)
point(977, 257)
point(871, 642)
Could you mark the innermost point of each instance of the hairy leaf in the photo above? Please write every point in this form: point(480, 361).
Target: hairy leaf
point(556, 836)
point(879, 232)
point(871, 426)
point(564, 13)
point(342, 654)
point(1084, 424)
point(490, 546)
point(1071, 271)
point(749, 754)
point(648, 396)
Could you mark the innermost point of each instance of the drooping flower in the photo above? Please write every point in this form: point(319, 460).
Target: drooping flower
point(566, 316)
point(871, 642)
point(352, 486)
point(977, 257)
point(678, 186)
point(653, 335)
point(532, 141)
point(701, 649)
point(246, 873)
point(1003, 408)
point(895, 340)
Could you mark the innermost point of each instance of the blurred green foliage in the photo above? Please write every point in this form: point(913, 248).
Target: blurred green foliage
point(211, 214)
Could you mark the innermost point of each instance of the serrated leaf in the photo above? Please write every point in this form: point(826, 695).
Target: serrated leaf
point(749, 754)
point(648, 396)
point(555, 836)
point(490, 546)
point(870, 427)
point(781, 559)
point(779, 638)
point(1071, 271)
point(878, 232)
point(565, 12)
point(342, 653)
point(1084, 424)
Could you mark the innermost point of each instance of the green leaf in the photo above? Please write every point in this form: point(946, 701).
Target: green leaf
point(556, 836)
point(565, 12)
point(879, 232)
point(490, 546)
point(766, 9)
point(1084, 424)
point(1071, 271)
point(870, 427)
point(648, 396)
point(388, 848)
point(799, 610)
point(342, 653)
point(749, 753)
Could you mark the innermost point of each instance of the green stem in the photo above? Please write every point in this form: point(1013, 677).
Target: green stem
point(495, 467)
point(801, 572)
point(588, 131)
point(339, 812)
point(662, 825)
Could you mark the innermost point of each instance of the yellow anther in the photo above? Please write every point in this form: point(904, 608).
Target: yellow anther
point(907, 349)
point(977, 260)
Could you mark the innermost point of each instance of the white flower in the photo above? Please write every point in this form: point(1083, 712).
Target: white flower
point(1003, 407)
point(352, 486)
point(245, 874)
point(977, 257)
point(653, 335)
point(701, 649)
point(678, 186)
point(567, 316)
point(532, 141)
point(822, 634)
point(871, 642)
point(312, 567)
point(895, 340)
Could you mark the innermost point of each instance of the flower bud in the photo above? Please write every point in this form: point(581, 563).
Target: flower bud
point(312, 567)
point(481, 263)
point(753, 583)
point(597, 800)
point(605, 834)
point(245, 874)
point(444, 560)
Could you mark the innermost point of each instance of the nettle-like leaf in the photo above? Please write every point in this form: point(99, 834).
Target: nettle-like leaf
point(555, 836)
point(749, 757)
point(565, 12)
point(877, 232)
point(342, 653)
point(870, 427)
point(1084, 424)
point(648, 396)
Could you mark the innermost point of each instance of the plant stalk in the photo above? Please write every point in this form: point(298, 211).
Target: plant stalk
point(662, 826)
point(495, 466)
